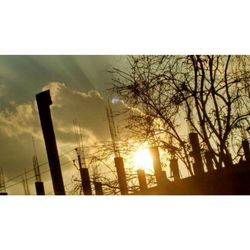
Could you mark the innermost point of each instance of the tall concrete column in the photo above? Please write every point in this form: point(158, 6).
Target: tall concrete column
point(209, 161)
point(196, 154)
point(159, 174)
point(98, 188)
point(175, 169)
point(142, 180)
point(121, 175)
point(245, 145)
point(39, 188)
point(43, 102)
point(86, 186)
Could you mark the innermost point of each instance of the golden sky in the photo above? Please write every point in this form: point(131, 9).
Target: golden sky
point(78, 88)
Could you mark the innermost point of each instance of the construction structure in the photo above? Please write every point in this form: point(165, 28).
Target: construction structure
point(43, 102)
point(2, 183)
point(38, 183)
point(82, 166)
point(119, 164)
point(228, 180)
point(25, 184)
point(84, 173)
point(206, 178)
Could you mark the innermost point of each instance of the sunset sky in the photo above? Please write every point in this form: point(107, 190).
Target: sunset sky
point(103, 27)
point(78, 87)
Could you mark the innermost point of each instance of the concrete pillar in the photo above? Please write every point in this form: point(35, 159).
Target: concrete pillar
point(209, 161)
point(86, 186)
point(175, 169)
point(98, 188)
point(44, 101)
point(142, 180)
point(121, 175)
point(157, 166)
point(196, 154)
point(39, 188)
point(245, 145)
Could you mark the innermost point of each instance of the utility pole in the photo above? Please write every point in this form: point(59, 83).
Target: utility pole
point(43, 102)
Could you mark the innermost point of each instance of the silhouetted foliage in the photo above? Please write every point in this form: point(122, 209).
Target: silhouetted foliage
point(169, 96)
point(102, 168)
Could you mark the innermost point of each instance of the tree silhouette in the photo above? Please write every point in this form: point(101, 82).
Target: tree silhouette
point(168, 95)
point(102, 169)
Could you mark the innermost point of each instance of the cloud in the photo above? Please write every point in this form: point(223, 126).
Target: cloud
point(86, 108)
point(3, 90)
point(21, 120)
point(22, 76)
point(19, 124)
point(81, 98)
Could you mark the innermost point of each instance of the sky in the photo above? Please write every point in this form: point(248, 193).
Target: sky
point(78, 87)
point(34, 26)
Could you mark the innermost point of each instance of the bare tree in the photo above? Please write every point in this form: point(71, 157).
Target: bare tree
point(166, 95)
point(100, 163)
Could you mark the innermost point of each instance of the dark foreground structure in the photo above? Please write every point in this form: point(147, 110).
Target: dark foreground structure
point(226, 181)
point(229, 179)
point(232, 179)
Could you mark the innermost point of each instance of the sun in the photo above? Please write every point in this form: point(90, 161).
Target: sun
point(143, 159)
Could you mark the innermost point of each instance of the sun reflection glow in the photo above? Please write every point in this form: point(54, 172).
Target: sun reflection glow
point(143, 159)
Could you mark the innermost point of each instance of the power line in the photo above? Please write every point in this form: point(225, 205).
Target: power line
point(33, 176)
point(97, 145)
point(40, 165)
point(88, 156)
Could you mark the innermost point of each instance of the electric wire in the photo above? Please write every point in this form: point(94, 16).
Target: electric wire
point(98, 146)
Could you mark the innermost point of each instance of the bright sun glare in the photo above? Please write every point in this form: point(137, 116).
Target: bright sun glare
point(143, 159)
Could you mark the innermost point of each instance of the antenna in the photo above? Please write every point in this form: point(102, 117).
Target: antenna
point(112, 129)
